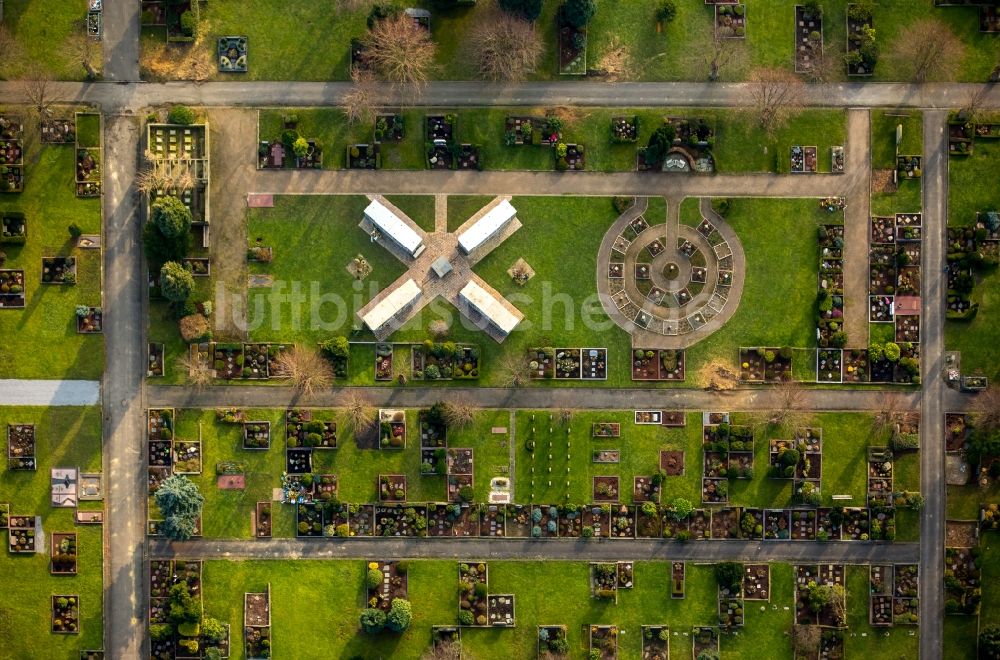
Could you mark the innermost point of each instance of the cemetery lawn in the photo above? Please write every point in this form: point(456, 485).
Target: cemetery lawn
point(972, 188)
point(50, 34)
point(989, 612)
point(960, 637)
point(64, 437)
point(864, 640)
point(883, 143)
point(778, 237)
point(227, 512)
point(739, 146)
point(41, 341)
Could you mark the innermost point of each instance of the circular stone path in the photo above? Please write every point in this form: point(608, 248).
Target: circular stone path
point(660, 311)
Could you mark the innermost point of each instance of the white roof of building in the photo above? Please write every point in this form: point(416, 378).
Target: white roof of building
point(389, 306)
point(483, 228)
point(391, 225)
point(489, 306)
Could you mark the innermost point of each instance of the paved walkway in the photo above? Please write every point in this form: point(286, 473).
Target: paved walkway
point(472, 94)
point(858, 172)
point(124, 408)
point(120, 27)
point(50, 392)
point(538, 550)
point(933, 407)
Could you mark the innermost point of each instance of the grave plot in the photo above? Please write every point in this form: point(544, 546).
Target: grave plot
point(326, 486)
point(262, 520)
point(905, 603)
point(674, 527)
point(308, 520)
point(606, 488)
point(473, 586)
point(966, 578)
point(672, 462)
point(856, 369)
point(66, 614)
point(21, 447)
point(604, 581)
point(829, 365)
point(255, 360)
point(257, 625)
point(501, 609)
point(856, 524)
point(765, 365)
point(385, 581)
point(730, 608)
point(726, 523)
point(662, 364)
point(63, 553)
point(552, 642)
point(361, 519)
point(392, 429)
point(880, 599)
point(802, 160)
point(808, 38)
point(730, 21)
point(232, 52)
point(89, 320)
point(803, 525)
point(21, 537)
point(227, 360)
point(604, 640)
point(446, 640)
point(544, 521)
point(257, 435)
point(383, 362)
point(187, 457)
point(828, 523)
point(777, 523)
point(752, 524)
point(605, 430)
point(518, 520)
point(460, 488)
point(59, 270)
point(957, 431)
point(11, 288)
point(677, 571)
point(648, 521)
point(58, 131)
point(400, 520)
point(11, 154)
point(388, 128)
point(301, 430)
point(596, 521)
point(705, 640)
point(700, 524)
point(433, 430)
point(624, 129)
point(879, 476)
point(862, 54)
point(623, 521)
point(570, 521)
point(392, 488)
point(820, 596)
point(757, 582)
point(4, 514)
point(13, 228)
point(541, 362)
point(646, 489)
point(568, 365)
point(460, 520)
point(493, 520)
point(433, 461)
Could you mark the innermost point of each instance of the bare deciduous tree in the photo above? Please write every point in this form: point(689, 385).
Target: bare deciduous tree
point(505, 46)
point(459, 415)
point(889, 413)
point(81, 48)
point(986, 405)
point(359, 101)
point(514, 369)
point(360, 412)
point(36, 86)
point(791, 400)
point(305, 369)
point(973, 109)
point(443, 651)
point(928, 50)
point(805, 639)
point(722, 53)
point(400, 51)
point(774, 96)
point(199, 373)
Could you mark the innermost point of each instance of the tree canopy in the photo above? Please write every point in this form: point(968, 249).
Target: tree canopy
point(171, 216)
point(577, 13)
point(176, 282)
point(180, 503)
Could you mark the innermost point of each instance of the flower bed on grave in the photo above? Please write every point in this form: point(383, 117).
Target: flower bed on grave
point(604, 640)
point(445, 361)
point(58, 131)
point(672, 462)
point(623, 521)
point(649, 521)
point(803, 525)
point(392, 429)
point(89, 320)
point(595, 520)
point(594, 365)
point(518, 520)
point(433, 461)
point(605, 430)
point(308, 520)
point(63, 553)
point(383, 361)
point(862, 53)
point(301, 430)
point(66, 614)
point(856, 365)
point(730, 21)
point(11, 155)
point(187, 457)
point(232, 53)
point(14, 228)
point(552, 642)
point(808, 38)
point(704, 640)
point(492, 520)
point(570, 157)
point(606, 489)
point(662, 364)
point(828, 523)
point(59, 270)
point(454, 519)
point(606, 456)
point(88, 172)
point(327, 489)
point(11, 288)
point(21, 534)
point(227, 360)
point(391, 488)
point(524, 130)
point(263, 520)
point(908, 167)
point(545, 521)
point(964, 564)
point(364, 157)
point(570, 521)
point(385, 582)
point(541, 362)
point(725, 523)
point(655, 642)
point(572, 51)
point(397, 520)
point(879, 476)
point(388, 128)
point(21, 447)
point(473, 586)
point(809, 578)
point(4, 515)
point(624, 129)
point(257, 435)
point(829, 365)
point(776, 524)
point(568, 363)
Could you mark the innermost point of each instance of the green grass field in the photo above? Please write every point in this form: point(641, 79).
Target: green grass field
point(298, 41)
point(49, 35)
point(64, 437)
point(40, 341)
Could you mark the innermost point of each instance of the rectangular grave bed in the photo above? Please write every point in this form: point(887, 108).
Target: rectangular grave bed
point(392, 429)
point(21, 534)
point(400, 520)
point(604, 581)
point(604, 640)
point(13, 228)
point(58, 131)
point(392, 488)
point(677, 580)
point(298, 461)
point(228, 360)
point(89, 320)
point(392, 584)
point(308, 520)
point(460, 461)
point(160, 453)
point(11, 288)
point(262, 520)
point(606, 456)
point(623, 521)
point(256, 361)
point(541, 362)
point(606, 489)
point(606, 430)
point(672, 462)
point(63, 553)
point(568, 363)
point(493, 521)
point(66, 614)
point(459, 487)
point(551, 642)
point(648, 417)
point(187, 457)
point(594, 364)
point(257, 435)
point(645, 489)
point(433, 431)
point(59, 270)
point(455, 519)
point(21, 447)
